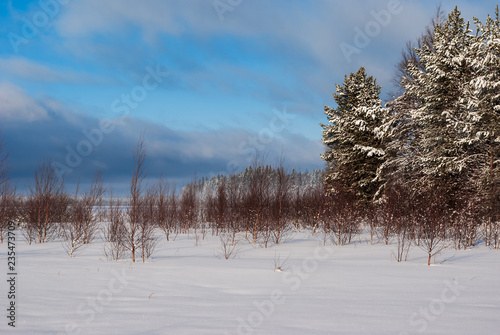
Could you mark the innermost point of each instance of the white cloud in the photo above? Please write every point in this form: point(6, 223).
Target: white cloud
point(19, 67)
point(306, 34)
point(16, 105)
point(80, 18)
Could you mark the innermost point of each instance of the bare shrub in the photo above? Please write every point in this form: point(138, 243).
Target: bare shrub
point(8, 201)
point(46, 205)
point(397, 215)
point(279, 263)
point(8, 207)
point(228, 246)
point(115, 231)
point(257, 198)
point(165, 210)
point(146, 234)
point(280, 203)
point(73, 231)
point(343, 214)
point(188, 208)
point(90, 200)
point(432, 215)
point(81, 227)
point(403, 244)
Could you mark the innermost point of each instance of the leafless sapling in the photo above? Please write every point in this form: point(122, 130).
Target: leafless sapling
point(228, 247)
point(133, 212)
point(165, 211)
point(90, 200)
point(281, 202)
point(46, 204)
point(146, 234)
point(74, 230)
point(433, 213)
point(115, 231)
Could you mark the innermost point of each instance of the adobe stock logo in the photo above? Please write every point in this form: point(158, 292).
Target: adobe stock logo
point(40, 19)
point(436, 307)
point(223, 6)
point(373, 28)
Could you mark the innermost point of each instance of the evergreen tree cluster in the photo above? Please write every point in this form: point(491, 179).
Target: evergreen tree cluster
point(438, 142)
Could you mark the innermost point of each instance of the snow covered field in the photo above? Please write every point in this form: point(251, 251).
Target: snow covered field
point(186, 289)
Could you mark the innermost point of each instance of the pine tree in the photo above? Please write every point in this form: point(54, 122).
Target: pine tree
point(397, 130)
point(484, 119)
point(438, 122)
point(442, 135)
point(485, 98)
point(354, 149)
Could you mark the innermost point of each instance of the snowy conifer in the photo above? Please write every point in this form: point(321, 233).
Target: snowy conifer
point(438, 119)
point(484, 102)
point(354, 150)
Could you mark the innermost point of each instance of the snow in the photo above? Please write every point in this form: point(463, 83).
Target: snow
point(186, 289)
point(369, 151)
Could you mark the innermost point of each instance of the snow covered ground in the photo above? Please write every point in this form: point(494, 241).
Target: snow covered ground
point(186, 289)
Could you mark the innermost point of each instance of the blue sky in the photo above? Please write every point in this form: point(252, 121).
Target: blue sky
point(209, 82)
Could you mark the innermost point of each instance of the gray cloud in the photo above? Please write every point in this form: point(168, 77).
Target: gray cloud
point(288, 34)
point(22, 68)
point(177, 155)
point(16, 105)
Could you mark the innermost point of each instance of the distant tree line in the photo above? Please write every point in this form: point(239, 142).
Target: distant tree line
point(262, 204)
